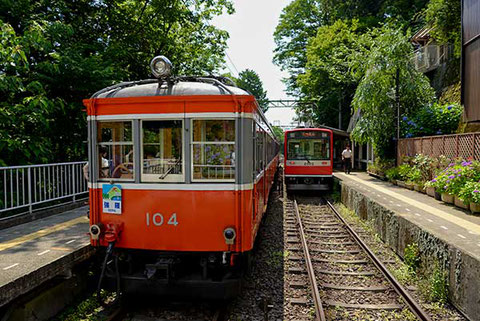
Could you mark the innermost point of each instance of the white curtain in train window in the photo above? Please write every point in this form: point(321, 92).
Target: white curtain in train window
point(213, 150)
point(162, 152)
point(115, 150)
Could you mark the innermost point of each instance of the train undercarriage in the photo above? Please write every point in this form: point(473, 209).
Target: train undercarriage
point(201, 275)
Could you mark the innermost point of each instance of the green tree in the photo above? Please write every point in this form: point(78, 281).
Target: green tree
point(250, 81)
point(279, 133)
point(328, 78)
point(444, 16)
point(298, 22)
point(53, 54)
point(375, 96)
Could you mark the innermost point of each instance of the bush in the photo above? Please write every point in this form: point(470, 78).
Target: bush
point(425, 165)
point(415, 176)
point(404, 171)
point(392, 174)
point(470, 193)
point(453, 178)
point(380, 166)
point(438, 285)
point(412, 257)
point(435, 119)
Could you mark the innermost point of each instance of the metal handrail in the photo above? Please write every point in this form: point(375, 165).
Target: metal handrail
point(26, 186)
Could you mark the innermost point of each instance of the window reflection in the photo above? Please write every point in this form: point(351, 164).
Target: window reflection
point(115, 150)
point(213, 150)
point(308, 149)
point(162, 149)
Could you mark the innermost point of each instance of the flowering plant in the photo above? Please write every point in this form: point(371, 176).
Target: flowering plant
point(470, 193)
point(424, 164)
point(453, 178)
point(435, 119)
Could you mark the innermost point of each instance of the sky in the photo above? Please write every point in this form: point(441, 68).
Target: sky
point(251, 46)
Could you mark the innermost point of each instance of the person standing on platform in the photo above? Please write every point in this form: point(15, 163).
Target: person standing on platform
point(347, 159)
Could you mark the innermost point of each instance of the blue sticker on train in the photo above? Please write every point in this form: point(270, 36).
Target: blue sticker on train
point(112, 198)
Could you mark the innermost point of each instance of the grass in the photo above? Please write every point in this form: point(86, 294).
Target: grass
point(434, 286)
point(88, 309)
point(276, 258)
point(412, 257)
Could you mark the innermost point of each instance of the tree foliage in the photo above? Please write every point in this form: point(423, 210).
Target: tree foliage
point(55, 53)
point(328, 79)
point(299, 22)
point(301, 19)
point(344, 54)
point(376, 93)
point(444, 18)
point(250, 81)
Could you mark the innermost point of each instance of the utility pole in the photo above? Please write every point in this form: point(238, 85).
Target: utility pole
point(397, 103)
point(340, 96)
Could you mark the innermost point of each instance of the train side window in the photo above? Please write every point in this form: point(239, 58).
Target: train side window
point(162, 151)
point(115, 150)
point(213, 150)
point(259, 134)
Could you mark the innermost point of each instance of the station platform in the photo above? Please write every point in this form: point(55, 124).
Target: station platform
point(38, 251)
point(443, 232)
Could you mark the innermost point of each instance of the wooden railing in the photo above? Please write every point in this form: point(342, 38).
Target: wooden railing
point(466, 146)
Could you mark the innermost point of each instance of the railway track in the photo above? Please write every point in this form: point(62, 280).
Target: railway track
point(346, 280)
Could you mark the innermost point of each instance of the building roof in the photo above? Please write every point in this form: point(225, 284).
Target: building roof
point(422, 36)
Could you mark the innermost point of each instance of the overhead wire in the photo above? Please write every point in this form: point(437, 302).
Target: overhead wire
point(236, 73)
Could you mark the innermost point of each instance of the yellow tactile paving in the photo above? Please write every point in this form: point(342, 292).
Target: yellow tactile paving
point(431, 210)
point(43, 232)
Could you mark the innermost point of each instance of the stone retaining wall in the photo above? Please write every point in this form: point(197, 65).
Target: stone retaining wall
point(398, 232)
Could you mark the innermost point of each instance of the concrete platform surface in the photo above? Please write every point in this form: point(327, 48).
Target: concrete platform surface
point(35, 252)
point(455, 226)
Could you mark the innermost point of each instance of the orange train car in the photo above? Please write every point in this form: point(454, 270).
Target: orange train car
point(308, 162)
point(180, 173)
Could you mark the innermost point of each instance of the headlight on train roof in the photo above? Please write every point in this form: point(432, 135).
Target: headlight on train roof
point(161, 67)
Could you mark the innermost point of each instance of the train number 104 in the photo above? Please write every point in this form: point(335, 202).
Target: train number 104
point(158, 219)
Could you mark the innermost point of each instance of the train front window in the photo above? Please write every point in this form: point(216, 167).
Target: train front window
point(162, 151)
point(213, 150)
point(115, 150)
point(314, 147)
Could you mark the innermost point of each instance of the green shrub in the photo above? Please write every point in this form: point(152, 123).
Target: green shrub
point(435, 119)
point(380, 166)
point(392, 174)
point(470, 193)
point(415, 175)
point(438, 285)
point(412, 257)
point(454, 178)
point(404, 171)
point(425, 164)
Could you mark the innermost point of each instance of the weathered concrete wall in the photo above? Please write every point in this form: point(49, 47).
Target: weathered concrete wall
point(398, 232)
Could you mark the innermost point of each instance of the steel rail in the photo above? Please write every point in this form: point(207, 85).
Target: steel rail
point(311, 273)
point(409, 300)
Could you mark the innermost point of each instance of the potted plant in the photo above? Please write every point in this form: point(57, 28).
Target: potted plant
point(403, 172)
point(430, 188)
point(470, 194)
point(415, 179)
point(392, 175)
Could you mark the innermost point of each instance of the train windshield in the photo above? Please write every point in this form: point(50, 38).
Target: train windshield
point(308, 145)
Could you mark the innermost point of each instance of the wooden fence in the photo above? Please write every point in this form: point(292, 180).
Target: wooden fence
point(466, 146)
